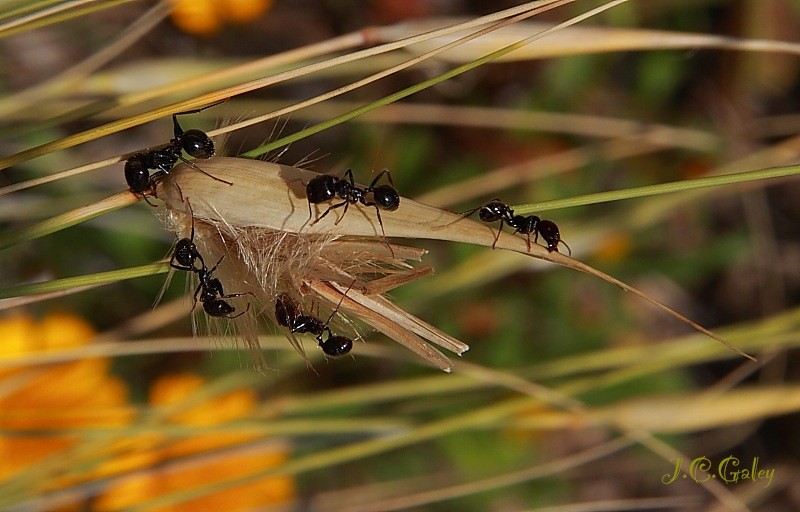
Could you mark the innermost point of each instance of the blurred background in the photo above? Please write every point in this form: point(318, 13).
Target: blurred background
point(195, 426)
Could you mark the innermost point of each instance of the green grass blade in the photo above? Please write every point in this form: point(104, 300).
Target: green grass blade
point(663, 188)
point(85, 280)
point(67, 220)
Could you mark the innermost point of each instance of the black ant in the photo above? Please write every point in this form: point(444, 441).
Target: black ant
point(195, 142)
point(288, 314)
point(210, 290)
point(496, 210)
point(326, 187)
point(212, 294)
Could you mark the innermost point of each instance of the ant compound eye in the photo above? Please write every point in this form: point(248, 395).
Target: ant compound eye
point(197, 144)
point(386, 197)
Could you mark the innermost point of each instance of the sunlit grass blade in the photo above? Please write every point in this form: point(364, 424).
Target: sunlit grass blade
point(66, 220)
point(681, 413)
point(662, 188)
point(68, 283)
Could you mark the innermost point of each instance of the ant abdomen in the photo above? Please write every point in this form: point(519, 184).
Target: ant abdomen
point(286, 311)
point(493, 211)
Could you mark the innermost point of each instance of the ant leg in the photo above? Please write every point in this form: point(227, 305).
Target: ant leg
point(499, 230)
point(343, 203)
point(196, 293)
point(325, 329)
point(196, 168)
point(216, 265)
point(232, 295)
point(240, 314)
point(375, 180)
point(462, 216)
point(144, 196)
point(380, 221)
point(346, 206)
point(178, 266)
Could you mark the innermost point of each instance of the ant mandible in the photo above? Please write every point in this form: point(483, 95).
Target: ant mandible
point(326, 187)
point(496, 210)
point(195, 142)
point(288, 314)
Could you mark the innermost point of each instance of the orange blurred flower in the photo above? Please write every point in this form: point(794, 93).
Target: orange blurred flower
point(206, 17)
point(81, 394)
point(186, 464)
point(613, 248)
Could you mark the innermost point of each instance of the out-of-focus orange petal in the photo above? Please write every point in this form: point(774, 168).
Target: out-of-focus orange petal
point(231, 406)
point(60, 330)
point(131, 454)
point(613, 248)
point(16, 332)
point(130, 491)
point(186, 475)
point(73, 395)
point(242, 11)
point(77, 384)
point(266, 491)
point(20, 452)
point(196, 17)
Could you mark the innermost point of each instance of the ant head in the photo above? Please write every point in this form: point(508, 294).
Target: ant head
point(218, 308)
point(336, 346)
point(321, 189)
point(493, 211)
point(386, 197)
point(197, 144)
point(551, 235)
point(137, 176)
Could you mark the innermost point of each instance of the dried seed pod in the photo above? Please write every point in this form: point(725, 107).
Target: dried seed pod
point(261, 224)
